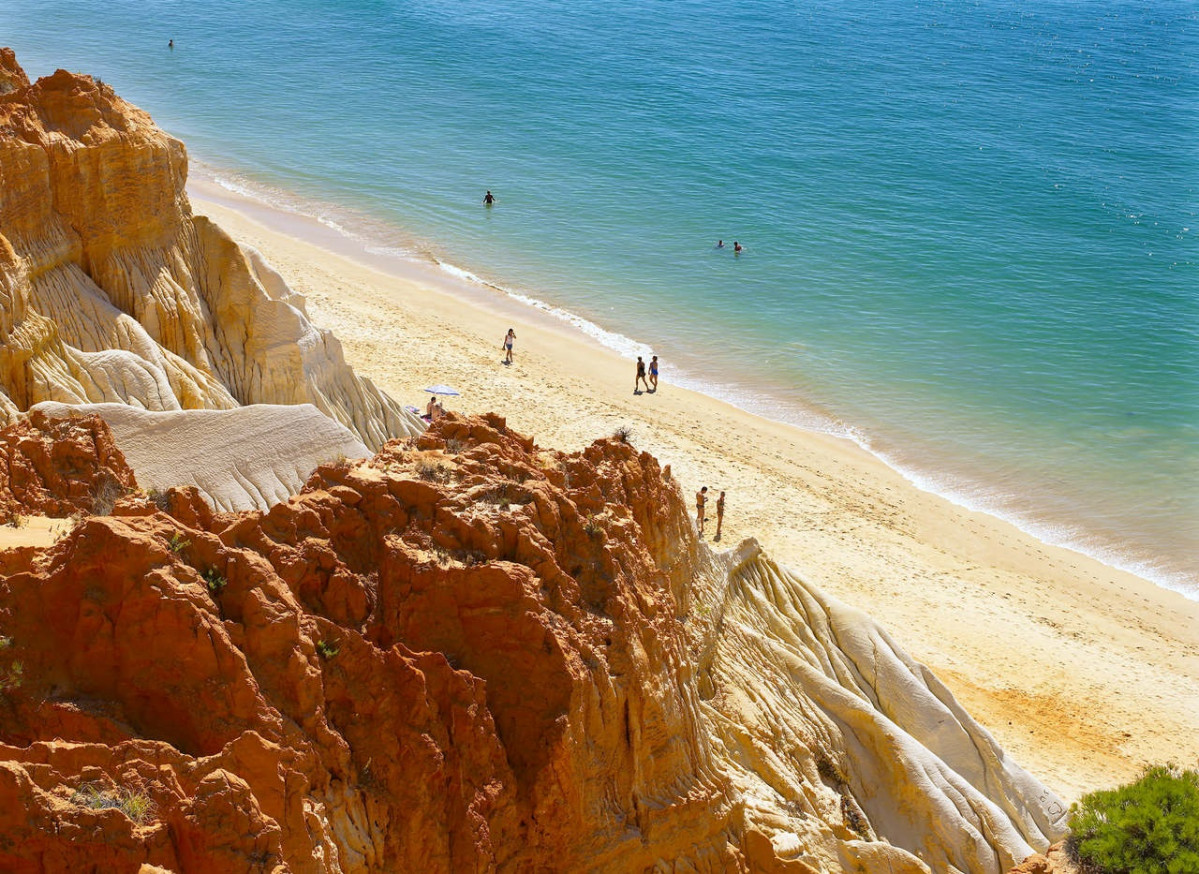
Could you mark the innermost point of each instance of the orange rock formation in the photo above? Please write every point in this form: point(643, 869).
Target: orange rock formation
point(112, 291)
point(57, 468)
point(465, 654)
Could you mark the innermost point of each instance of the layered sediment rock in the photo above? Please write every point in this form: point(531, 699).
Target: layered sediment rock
point(111, 291)
point(471, 654)
point(247, 458)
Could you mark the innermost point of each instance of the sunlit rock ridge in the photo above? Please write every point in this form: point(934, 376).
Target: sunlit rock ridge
point(111, 291)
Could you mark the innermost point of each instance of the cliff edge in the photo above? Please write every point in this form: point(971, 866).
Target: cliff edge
point(467, 653)
point(111, 291)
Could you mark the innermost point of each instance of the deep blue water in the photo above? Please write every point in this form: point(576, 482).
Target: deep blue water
point(970, 227)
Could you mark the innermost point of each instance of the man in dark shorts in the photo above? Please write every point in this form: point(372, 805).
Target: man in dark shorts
point(640, 380)
point(719, 514)
point(701, 498)
point(489, 198)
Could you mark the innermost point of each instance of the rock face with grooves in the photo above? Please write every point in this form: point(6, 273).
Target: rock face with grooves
point(247, 458)
point(471, 654)
point(111, 291)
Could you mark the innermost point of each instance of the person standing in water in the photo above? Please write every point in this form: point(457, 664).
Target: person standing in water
point(737, 248)
point(640, 380)
point(488, 198)
point(170, 44)
point(509, 339)
point(653, 373)
point(701, 498)
point(719, 514)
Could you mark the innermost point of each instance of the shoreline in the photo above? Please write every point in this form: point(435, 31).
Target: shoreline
point(954, 483)
point(1083, 672)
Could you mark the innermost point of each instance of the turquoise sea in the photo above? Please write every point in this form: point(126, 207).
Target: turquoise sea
point(970, 227)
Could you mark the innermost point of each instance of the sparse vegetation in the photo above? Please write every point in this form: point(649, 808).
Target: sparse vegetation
point(624, 434)
point(157, 498)
point(591, 525)
point(453, 446)
point(852, 816)
point(449, 558)
point(1150, 826)
point(12, 673)
point(105, 494)
point(179, 543)
point(138, 806)
point(501, 495)
point(433, 471)
point(830, 771)
point(327, 649)
point(16, 520)
point(215, 582)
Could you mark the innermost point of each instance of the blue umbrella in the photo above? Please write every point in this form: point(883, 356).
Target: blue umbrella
point(442, 390)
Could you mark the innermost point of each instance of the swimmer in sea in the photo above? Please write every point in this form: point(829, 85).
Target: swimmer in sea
point(489, 198)
point(720, 244)
point(737, 247)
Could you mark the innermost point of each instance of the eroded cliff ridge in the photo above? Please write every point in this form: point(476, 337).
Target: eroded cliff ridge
point(111, 291)
point(467, 653)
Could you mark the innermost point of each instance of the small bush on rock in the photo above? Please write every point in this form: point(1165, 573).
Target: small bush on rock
point(136, 805)
point(1147, 827)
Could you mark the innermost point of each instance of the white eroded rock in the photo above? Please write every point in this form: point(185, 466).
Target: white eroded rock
point(241, 459)
point(822, 714)
point(112, 291)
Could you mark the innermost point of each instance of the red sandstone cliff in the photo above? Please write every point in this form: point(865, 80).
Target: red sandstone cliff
point(431, 662)
point(466, 654)
point(112, 291)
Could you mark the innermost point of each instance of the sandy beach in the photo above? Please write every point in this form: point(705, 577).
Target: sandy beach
point(1082, 672)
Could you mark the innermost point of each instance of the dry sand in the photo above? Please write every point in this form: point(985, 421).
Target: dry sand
point(1082, 672)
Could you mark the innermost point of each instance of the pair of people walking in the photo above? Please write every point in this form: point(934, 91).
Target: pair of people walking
point(652, 384)
point(701, 503)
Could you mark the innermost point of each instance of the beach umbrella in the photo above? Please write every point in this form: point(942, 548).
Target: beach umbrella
point(442, 390)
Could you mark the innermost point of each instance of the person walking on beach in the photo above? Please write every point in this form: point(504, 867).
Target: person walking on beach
point(653, 373)
point(509, 339)
point(488, 198)
point(640, 380)
point(701, 498)
point(719, 514)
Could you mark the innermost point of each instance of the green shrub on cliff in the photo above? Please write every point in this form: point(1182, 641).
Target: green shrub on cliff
point(1147, 827)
